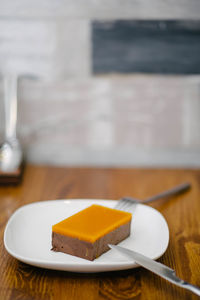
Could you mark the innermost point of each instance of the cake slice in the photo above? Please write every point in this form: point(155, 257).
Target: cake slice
point(87, 233)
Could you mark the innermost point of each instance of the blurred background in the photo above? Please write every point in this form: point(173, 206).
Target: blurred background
point(104, 83)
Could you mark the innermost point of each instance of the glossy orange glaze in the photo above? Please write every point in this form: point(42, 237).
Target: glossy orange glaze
point(92, 223)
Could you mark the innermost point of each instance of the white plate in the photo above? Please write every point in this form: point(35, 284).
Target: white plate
point(27, 236)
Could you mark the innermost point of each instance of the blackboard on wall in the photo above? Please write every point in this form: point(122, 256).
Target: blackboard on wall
point(165, 47)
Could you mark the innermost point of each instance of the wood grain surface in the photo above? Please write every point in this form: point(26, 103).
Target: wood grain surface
point(21, 281)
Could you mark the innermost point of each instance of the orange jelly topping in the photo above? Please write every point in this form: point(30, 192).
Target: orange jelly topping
point(92, 223)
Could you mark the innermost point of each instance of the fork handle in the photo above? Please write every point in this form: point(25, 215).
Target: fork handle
point(174, 191)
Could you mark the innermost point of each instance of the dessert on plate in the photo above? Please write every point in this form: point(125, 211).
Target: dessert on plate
point(87, 233)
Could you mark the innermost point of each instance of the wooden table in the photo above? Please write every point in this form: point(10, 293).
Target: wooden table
point(21, 281)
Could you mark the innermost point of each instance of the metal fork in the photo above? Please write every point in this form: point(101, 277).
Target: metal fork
point(128, 203)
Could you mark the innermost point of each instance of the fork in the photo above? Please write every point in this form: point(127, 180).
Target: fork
point(126, 203)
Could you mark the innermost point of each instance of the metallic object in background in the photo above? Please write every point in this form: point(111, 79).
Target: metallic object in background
point(10, 151)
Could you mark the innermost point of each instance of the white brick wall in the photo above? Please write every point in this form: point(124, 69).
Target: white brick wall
point(104, 9)
point(45, 48)
point(111, 120)
point(76, 119)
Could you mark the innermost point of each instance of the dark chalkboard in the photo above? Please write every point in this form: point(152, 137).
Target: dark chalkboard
point(168, 47)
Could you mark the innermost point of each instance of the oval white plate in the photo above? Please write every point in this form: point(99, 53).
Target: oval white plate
point(27, 236)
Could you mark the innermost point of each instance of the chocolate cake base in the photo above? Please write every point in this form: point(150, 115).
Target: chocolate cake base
point(87, 250)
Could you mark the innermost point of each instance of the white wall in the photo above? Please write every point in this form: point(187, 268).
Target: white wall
point(70, 117)
point(104, 9)
point(119, 120)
